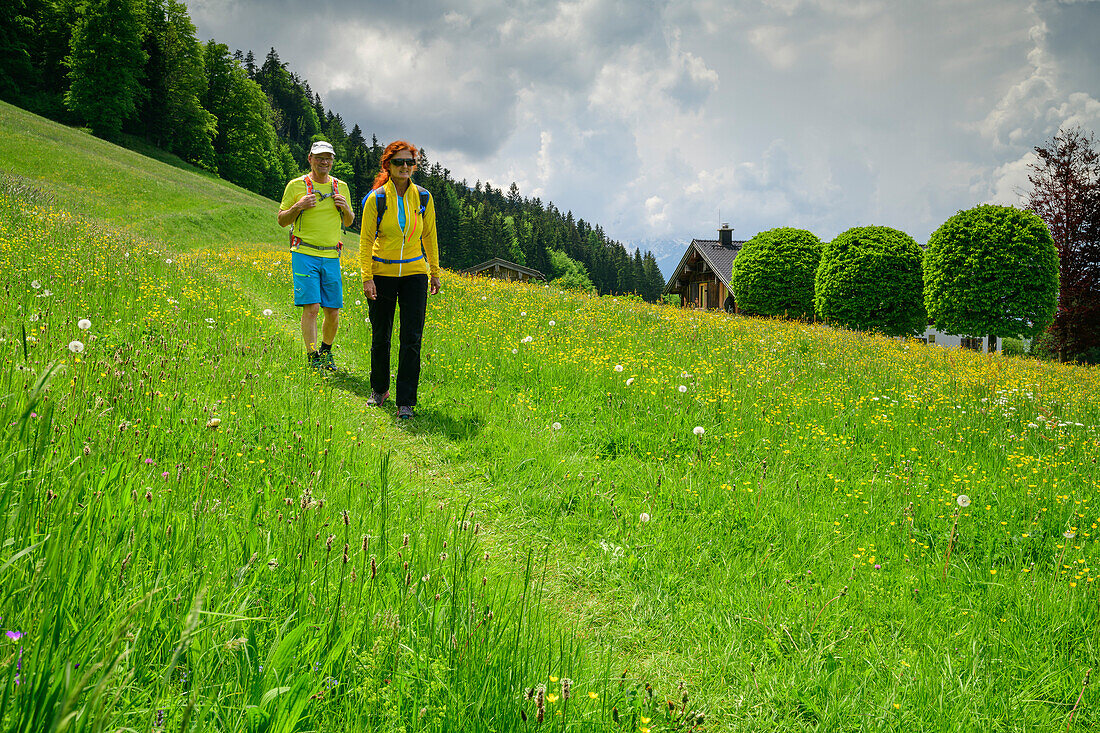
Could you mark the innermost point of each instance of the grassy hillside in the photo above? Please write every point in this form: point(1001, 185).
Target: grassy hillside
point(702, 522)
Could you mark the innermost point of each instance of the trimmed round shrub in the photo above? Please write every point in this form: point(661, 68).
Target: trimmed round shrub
point(991, 270)
point(773, 274)
point(869, 279)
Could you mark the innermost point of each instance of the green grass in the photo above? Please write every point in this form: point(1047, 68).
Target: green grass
point(546, 516)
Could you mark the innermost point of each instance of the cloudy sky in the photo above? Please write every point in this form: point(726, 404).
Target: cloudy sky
point(659, 119)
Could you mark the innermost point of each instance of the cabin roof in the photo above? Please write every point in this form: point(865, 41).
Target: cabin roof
point(473, 270)
point(719, 257)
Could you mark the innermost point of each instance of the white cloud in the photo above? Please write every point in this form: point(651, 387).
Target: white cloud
point(649, 118)
point(771, 42)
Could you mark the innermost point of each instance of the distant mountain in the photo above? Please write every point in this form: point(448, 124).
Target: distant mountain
point(667, 251)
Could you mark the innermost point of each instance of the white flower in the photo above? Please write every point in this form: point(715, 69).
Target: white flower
point(523, 313)
point(34, 317)
point(1069, 534)
point(126, 254)
point(35, 284)
point(527, 340)
point(484, 297)
point(45, 293)
point(76, 347)
point(618, 367)
point(683, 388)
point(359, 302)
point(515, 351)
point(552, 323)
point(267, 311)
point(630, 381)
point(209, 320)
point(698, 430)
point(83, 324)
point(643, 517)
point(963, 501)
point(168, 262)
point(556, 426)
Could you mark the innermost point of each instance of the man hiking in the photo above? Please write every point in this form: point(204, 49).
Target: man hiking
point(316, 209)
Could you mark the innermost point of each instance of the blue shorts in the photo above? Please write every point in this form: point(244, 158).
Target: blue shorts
point(317, 280)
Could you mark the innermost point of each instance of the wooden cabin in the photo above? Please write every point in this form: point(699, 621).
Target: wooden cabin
point(499, 269)
point(702, 279)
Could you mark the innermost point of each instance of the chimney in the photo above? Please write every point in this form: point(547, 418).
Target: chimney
point(725, 236)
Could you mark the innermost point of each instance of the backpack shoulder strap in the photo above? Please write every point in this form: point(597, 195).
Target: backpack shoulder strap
point(425, 194)
point(379, 195)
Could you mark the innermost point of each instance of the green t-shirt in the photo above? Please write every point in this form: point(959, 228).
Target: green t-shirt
point(320, 225)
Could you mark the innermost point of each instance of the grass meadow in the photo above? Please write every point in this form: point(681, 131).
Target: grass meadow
point(607, 516)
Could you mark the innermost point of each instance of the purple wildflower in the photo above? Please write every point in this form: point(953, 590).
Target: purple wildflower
point(15, 635)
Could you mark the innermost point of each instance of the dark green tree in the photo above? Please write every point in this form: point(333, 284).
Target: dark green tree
point(773, 274)
point(246, 149)
point(870, 279)
point(173, 116)
point(16, 33)
point(105, 65)
point(991, 270)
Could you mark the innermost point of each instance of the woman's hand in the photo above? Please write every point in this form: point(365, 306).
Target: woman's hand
point(435, 286)
point(370, 289)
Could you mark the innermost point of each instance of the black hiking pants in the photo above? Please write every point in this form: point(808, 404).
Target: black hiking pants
point(410, 294)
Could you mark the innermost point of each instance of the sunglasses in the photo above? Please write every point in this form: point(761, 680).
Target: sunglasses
point(399, 162)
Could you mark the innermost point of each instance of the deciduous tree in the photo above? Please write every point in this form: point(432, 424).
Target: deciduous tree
point(991, 270)
point(1066, 194)
point(773, 274)
point(869, 279)
point(105, 65)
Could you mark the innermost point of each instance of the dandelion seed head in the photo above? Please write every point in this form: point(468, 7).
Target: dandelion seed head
point(556, 426)
point(699, 430)
point(83, 324)
point(618, 367)
point(267, 311)
point(630, 381)
point(76, 347)
point(683, 388)
point(643, 517)
point(963, 501)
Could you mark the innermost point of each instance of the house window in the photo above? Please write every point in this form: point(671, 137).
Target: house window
point(931, 338)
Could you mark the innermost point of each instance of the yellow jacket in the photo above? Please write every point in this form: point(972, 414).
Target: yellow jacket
point(393, 252)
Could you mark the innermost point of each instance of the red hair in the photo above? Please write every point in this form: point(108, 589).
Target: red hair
point(392, 149)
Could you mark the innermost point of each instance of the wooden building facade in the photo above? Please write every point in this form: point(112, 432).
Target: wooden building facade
point(702, 279)
point(504, 270)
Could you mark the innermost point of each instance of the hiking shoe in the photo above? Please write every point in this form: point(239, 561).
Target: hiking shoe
point(313, 360)
point(326, 361)
point(405, 412)
point(377, 398)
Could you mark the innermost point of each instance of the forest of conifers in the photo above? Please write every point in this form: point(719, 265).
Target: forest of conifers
point(133, 71)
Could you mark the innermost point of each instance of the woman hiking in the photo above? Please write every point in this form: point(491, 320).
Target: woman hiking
point(399, 259)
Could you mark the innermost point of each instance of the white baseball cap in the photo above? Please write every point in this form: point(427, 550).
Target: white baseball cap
point(322, 147)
